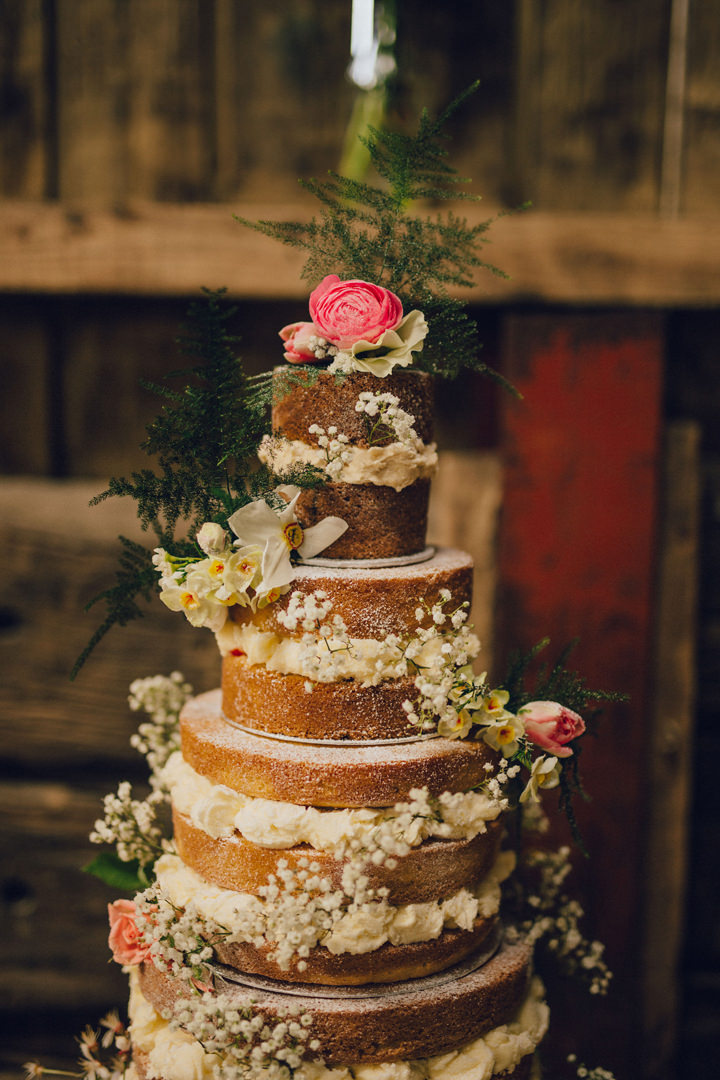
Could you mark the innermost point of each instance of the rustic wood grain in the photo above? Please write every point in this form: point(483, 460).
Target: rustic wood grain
point(26, 150)
point(60, 554)
point(109, 354)
point(671, 744)
point(153, 249)
point(589, 103)
point(576, 560)
point(56, 948)
point(26, 363)
point(701, 160)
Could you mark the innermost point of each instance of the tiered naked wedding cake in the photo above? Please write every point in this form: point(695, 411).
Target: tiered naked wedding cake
point(330, 906)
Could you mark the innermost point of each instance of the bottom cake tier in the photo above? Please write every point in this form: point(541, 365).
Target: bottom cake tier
point(475, 1021)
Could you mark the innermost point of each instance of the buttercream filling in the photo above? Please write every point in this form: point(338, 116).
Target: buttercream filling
point(173, 1052)
point(397, 465)
point(220, 811)
point(330, 659)
point(361, 928)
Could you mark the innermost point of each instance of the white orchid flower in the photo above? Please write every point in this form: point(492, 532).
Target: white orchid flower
point(278, 534)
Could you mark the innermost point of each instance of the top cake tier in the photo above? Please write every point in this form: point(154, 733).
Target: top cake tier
point(373, 440)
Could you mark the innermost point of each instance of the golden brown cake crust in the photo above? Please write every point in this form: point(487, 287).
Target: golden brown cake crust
point(374, 602)
point(388, 964)
point(327, 400)
point(432, 1018)
point(316, 775)
point(382, 523)
point(434, 870)
point(281, 704)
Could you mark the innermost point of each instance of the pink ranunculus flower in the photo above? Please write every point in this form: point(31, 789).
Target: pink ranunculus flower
point(348, 311)
point(296, 337)
point(125, 940)
point(551, 726)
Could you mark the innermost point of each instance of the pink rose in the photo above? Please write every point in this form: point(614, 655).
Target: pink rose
point(125, 940)
point(348, 311)
point(296, 336)
point(551, 726)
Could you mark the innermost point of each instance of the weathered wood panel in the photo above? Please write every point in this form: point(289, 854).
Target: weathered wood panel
point(55, 952)
point(282, 99)
point(590, 93)
point(701, 159)
point(670, 745)
point(27, 367)
point(161, 250)
point(61, 554)
point(577, 555)
point(135, 101)
point(26, 131)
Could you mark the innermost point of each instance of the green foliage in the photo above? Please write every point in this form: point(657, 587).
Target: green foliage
point(371, 233)
point(556, 682)
point(205, 441)
point(129, 877)
point(135, 578)
point(552, 682)
point(206, 435)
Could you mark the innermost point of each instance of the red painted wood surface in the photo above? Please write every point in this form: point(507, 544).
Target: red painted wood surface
point(577, 559)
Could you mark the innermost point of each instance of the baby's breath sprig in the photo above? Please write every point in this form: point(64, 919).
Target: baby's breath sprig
point(161, 698)
point(385, 421)
point(131, 825)
point(249, 1041)
point(544, 914)
point(180, 939)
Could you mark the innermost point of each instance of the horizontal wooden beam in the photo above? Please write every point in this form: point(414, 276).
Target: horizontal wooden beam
point(150, 249)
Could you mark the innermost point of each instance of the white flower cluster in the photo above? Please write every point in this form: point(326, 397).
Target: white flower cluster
point(204, 589)
point(322, 644)
point(389, 421)
point(161, 697)
point(335, 446)
point(181, 941)
point(453, 700)
point(131, 825)
point(321, 348)
point(552, 917)
point(248, 1042)
point(436, 708)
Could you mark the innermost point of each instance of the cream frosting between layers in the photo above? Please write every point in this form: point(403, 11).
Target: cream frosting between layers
point(397, 465)
point(173, 1054)
point(362, 928)
point(220, 811)
point(331, 659)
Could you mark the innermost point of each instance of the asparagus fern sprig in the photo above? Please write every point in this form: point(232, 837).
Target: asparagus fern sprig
point(375, 233)
point(205, 441)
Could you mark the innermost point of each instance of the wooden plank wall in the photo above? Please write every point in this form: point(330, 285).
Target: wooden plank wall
point(124, 119)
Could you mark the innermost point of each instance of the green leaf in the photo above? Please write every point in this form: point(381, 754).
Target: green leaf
point(127, 876)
